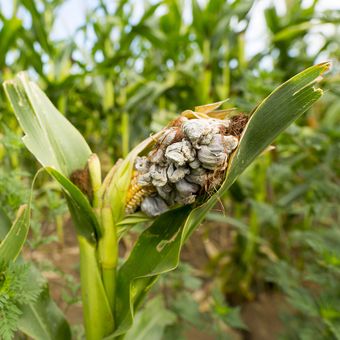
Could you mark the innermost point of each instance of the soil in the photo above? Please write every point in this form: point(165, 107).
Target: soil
point(260, 315)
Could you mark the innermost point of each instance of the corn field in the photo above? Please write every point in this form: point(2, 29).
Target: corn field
point(169, 169)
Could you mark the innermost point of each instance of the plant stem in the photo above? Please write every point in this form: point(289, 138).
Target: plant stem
point(107, 244)
point(108, 254)
point(98, 319)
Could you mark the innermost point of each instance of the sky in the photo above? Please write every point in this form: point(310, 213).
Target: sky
point(72, 14)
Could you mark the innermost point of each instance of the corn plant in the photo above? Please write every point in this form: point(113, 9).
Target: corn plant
point(169, 181)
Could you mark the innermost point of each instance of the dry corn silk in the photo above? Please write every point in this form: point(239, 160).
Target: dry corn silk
point(188, 160)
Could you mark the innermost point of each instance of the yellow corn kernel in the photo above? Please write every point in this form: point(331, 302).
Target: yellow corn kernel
point(136, 194)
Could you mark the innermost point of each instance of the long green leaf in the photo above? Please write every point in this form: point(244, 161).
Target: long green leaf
point(282, 107)
point(51, 138)
point(157, 249)
point(293, 31)
point(12, 244)
point(156, 252)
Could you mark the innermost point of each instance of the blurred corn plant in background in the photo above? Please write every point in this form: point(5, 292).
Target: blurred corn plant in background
point(130, 68)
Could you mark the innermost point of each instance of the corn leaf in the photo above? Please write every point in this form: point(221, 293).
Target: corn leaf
point(11, 245)
point(293, 31)
point(158, 248)
point(55, 143)
point(50, 137)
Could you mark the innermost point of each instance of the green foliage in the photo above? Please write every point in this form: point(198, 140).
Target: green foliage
point(16, 289)
point(135, 73)
point(12, 189)
point(151, 322)
point(184, 292)
point(43, 319)
point(312, 289)
point(34, 313)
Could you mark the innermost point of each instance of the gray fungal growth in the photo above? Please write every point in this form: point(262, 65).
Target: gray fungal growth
point(167, 193)
point(230, 143)
point(175, 174)
point(153, 206)
point(158, 175)
point(198, 176)
point(157, 156)
point(196, 129)
point(142, 164)
point(168, 137)
point(180, 153)
point(144, 179)
point(188, 159)
point(186, 188)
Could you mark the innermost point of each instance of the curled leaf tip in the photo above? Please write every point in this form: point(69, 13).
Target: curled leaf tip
point(325, 66)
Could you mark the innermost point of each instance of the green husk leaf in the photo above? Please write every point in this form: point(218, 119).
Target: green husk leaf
point(133, 219)
point(282, 107)
point(60, 148)
point(159, 246)
point(116, 190)
point(82, 213)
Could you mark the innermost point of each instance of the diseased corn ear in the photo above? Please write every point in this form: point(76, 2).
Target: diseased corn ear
point(187, 161)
